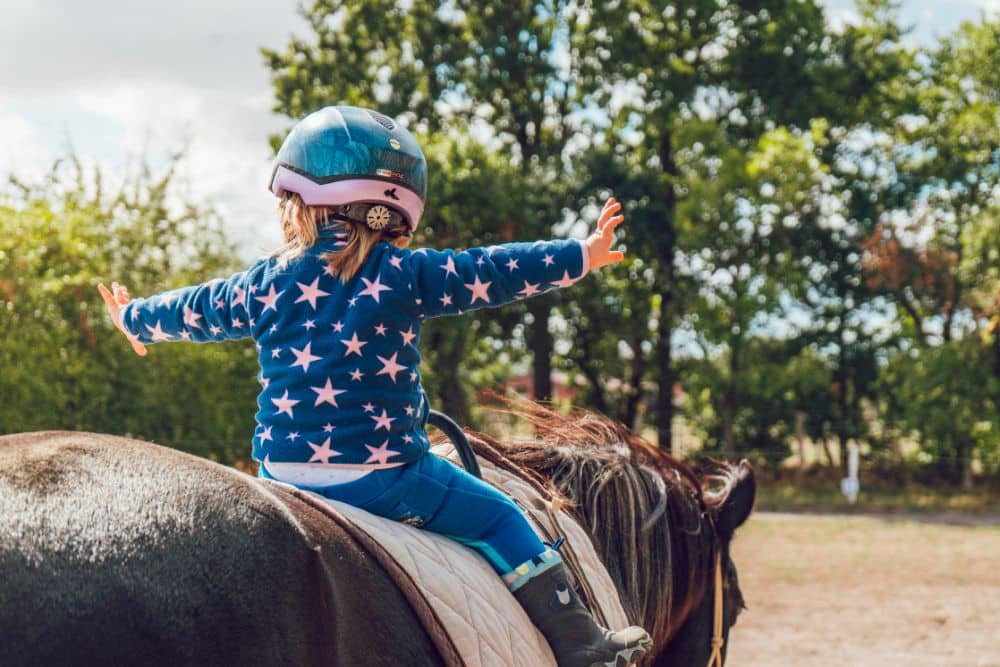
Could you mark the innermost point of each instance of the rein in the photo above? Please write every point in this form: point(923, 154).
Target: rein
point(715, 660)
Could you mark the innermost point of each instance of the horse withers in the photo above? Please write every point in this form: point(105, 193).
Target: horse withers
point(116, 551)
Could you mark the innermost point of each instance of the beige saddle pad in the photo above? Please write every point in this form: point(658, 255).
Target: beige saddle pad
point(485, 623)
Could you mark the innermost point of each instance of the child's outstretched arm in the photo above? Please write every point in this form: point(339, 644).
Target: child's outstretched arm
point(213, 311)
point(449, 282)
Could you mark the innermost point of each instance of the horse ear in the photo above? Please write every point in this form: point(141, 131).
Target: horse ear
point(738, 506)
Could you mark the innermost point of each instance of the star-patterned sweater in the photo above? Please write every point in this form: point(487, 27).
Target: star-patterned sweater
point(339, 361)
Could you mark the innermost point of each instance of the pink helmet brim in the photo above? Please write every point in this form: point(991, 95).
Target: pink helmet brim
point(350, 191)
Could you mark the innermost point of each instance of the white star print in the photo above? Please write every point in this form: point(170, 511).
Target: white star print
point(480, 290)
point(413, 376)
point(396, 261)
point(354, 345)
point(327, 394)
point(357, 374)
point(328, 427)
point(373, 289)
point(168, 299)
point(389, 366)
point(275, 353)
point(338, 326)
point(311, 292)
point(409, 410)
point(220, 304)
point(285, 404)
point(309, 324)
point(270, 299)
point(158, 333)
point(237, 323)
point(529, 289)
point(304, 357)
point(480, 261)
point(408, 336)
point(240, 298)
point(369, 407)
point(407, 438)
point(380, 454)
point(548, 260)
point(380, 329)
point(566, 281)
point(449, 266)
point(214, 330)
point(322, 452)
point(186, 335)
point(383, 421)
point(191, 318)
point(266, 435)
point(512, 264)
point(446, 300)
point(292, 436)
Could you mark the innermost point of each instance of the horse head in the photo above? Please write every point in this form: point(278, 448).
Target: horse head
point(659, 526)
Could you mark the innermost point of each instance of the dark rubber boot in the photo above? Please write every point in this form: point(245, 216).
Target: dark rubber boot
point(576, 639)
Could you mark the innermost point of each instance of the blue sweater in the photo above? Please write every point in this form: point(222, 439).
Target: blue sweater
point(339, 361)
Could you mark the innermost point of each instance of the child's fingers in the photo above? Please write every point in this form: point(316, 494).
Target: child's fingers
point(109, 300)
point(613, 223)
point(138, 347)
point(616, 256)
point(606, 216)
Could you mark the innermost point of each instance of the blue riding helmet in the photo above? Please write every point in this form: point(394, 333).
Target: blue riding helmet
point(346, 155)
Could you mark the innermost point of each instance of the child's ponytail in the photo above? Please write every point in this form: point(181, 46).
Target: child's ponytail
point(299, 225)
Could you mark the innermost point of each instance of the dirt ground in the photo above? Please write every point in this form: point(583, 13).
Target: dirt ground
point(859, 591)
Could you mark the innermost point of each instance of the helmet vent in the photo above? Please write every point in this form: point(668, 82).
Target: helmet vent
point(383, 120)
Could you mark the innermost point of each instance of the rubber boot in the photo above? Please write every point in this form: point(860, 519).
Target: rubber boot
point(576, 639)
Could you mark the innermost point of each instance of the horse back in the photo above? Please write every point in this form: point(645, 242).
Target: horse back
point(115, 551)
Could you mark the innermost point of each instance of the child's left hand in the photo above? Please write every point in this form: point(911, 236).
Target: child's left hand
point(599, 243)
point(115, 302)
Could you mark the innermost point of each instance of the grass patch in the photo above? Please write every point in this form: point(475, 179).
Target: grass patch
point(782, 493)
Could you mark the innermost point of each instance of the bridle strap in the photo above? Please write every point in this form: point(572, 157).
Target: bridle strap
point(715, 659)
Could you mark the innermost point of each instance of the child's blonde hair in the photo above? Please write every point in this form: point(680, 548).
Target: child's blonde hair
point(300, 227)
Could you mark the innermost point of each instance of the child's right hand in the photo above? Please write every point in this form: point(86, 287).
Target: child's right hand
point(599, 243)
point(115, 302)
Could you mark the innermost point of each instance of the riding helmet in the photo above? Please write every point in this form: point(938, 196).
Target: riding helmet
point(343, 155)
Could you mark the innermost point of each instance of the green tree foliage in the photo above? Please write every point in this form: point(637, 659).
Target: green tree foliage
point(64, 364)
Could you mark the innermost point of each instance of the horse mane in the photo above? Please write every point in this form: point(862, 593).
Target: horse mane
point(647, 513)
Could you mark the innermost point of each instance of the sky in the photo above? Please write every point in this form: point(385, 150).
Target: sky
point(115, 80)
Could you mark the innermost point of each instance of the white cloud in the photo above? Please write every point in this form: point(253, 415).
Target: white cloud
point(24, 154)
point(227, 160)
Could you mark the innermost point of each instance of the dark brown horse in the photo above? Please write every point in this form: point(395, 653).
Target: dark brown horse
point(114, 551)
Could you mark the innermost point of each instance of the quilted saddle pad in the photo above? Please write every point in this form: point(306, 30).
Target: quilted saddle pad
point(485, 624)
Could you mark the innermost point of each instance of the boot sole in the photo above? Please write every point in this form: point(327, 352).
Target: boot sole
point(626, 656)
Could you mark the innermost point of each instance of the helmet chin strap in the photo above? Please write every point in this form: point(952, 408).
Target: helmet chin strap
point(377, 217)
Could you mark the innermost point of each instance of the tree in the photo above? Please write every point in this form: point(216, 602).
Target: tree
point(65, 365)
point(446, 66)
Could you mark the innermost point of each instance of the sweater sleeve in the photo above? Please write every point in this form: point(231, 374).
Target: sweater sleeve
point(213, 311)
point(449, 282)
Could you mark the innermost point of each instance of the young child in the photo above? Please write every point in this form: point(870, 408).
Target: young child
point(336, 316)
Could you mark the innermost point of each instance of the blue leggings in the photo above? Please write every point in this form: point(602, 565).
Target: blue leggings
point(434, 494)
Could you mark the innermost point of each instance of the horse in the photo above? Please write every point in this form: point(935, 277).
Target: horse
point(118, 551)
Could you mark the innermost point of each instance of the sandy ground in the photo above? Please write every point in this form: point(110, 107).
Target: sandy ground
point(860, 591)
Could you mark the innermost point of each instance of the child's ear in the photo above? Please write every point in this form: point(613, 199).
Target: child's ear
point(402, 241)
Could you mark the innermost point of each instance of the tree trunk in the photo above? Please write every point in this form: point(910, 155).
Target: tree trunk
point(667, 241)
point(540, 342)
point(965, 465)
point(630, 408)
point(664, 377)
point(729, 399)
